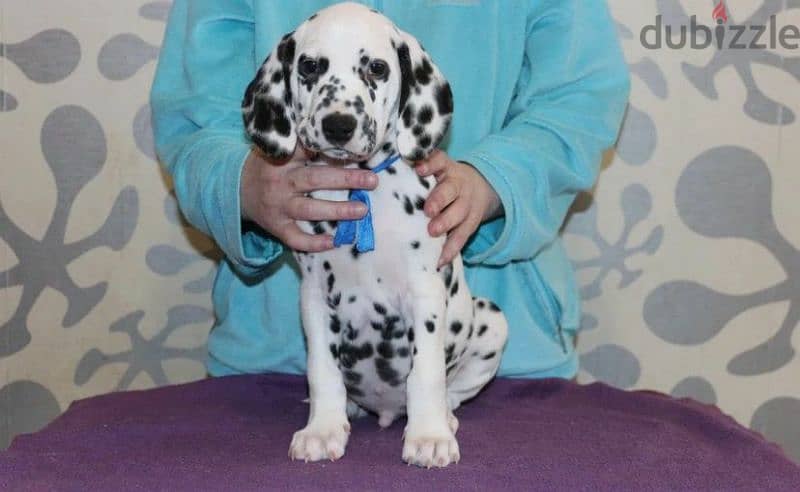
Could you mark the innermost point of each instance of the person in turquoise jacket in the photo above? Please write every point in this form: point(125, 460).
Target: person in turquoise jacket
point(540, 88)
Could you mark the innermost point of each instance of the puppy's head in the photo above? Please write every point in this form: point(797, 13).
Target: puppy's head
point(346, 82)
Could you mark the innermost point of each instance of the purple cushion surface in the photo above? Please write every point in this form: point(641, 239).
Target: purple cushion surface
point(233, 433)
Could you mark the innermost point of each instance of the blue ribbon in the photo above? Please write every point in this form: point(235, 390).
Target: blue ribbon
point(361, 231)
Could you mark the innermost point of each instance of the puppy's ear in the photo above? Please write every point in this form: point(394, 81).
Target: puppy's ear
point(426, 102)
point(267, 104)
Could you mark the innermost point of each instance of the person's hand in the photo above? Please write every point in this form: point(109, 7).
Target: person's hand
point(461, 200)
point(272, 194)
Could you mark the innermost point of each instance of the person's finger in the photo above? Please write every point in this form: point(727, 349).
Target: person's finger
point(442, 195)
point(455, 241)
point(302, 154)
point(305, 179)
point(298, 240)
point(436, 163)
point(306, 208)
point(452, 216)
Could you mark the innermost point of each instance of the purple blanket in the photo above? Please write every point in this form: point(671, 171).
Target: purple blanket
point(233, 433)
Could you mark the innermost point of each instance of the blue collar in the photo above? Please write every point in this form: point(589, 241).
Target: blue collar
point(361, 231)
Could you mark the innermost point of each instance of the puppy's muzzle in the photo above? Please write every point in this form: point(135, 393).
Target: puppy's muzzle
point(339, 128)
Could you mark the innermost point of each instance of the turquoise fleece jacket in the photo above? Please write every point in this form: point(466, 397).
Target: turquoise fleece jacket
point(540, 88)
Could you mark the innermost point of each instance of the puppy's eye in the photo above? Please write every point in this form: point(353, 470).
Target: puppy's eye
point(307, 66)
point(378, 68)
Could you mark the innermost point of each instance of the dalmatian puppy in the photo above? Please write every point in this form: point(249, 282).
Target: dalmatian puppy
point(386, 331)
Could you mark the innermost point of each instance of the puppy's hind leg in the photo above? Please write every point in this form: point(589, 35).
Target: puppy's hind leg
point(325, 436)
point(482, 358)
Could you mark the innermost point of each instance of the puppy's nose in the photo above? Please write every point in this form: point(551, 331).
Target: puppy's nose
point(338, 128)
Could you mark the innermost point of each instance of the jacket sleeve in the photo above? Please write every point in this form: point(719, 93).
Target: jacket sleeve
point(205, 65)
point(566, 110)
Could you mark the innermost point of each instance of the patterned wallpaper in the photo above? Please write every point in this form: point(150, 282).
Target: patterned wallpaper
point(686, 250)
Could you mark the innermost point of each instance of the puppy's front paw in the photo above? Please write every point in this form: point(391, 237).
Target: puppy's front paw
point(319, 441)
point(429, 449)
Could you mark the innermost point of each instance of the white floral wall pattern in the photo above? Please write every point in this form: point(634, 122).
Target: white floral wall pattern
point(687, 250)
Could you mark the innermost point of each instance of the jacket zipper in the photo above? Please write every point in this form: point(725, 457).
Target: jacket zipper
point(551, 305)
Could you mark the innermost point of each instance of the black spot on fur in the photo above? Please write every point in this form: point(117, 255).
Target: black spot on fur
point(424, 182)
point(406, 74)
point(402, 352)
point(494, 307)
point(444, 99)
point(331, 281)
point(425, 115)
point(408, 116)
point(269, 115)
point(455, 327)
point(334, 351)
point(286, 49)
point(351, 299)
point(354, 252)
point(385, 350)
point(352, 377)
point(350, 354)
point(482, 329)
point(481, 304)
point(407, 205)
point(317, 227)
point(489, 355)
point(419, 203)
point(448, 353)
point(352, 390)
point(352, 333)
point(379, 308)
point(454, 289)
point(336, 324)
point(411, 334)
point(430, 326)
point(416, 155)
point(386, 372)
point(423, 72)
point(415, 244)
point(447, 274)
point(334, 300)
point(391, 329)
